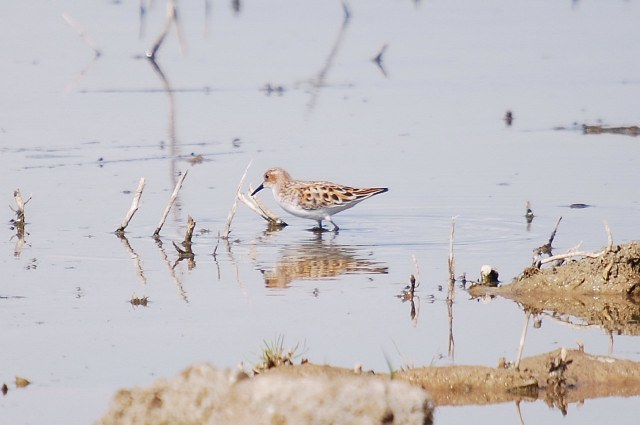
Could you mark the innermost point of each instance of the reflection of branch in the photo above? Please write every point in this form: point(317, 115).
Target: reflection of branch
point(174, 153)
point(133, 209)
point(172, 18)
point(96, 51)
point(319, 83)
point(172, 271)
point(522, 339)
point(134, 256)
point(87, 39)
point(378, 61)
point(174, 195)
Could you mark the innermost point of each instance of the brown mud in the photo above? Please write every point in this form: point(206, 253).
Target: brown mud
point(603, 291)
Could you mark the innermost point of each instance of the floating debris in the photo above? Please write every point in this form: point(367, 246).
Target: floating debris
point(21, 382)
point(508, 118)
point(136, 301)
point(633, 130)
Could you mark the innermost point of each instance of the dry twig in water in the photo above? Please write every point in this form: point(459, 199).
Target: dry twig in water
point(174, 195)
point(595, 254)
point(234, 207)
point(133, 209)
point(546, 248)
point(187, 252)
point(20, 203)
point(452, 260)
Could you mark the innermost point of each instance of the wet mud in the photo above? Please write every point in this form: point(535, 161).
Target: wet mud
point(602, 291)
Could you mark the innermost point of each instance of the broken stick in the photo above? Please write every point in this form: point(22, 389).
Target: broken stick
point(133, 209)
point(234, 207)
point(20, 205)
point(174, 195)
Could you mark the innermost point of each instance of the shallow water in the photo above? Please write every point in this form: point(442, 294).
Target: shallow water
point(79, 133)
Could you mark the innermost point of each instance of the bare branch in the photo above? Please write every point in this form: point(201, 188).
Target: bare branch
point(134, 207)
point(174, 195)
point(227, 229)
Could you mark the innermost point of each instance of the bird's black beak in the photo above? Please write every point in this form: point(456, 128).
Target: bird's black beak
point(258, 189)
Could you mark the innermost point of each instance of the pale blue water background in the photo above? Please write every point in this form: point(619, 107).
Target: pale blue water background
point(432, 131)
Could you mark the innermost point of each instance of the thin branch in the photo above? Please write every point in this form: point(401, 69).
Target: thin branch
point(452, 260)
point(174, 195)
point(134, 207)
point(20, 203)
point(572, 254)
point(609, 237)
point(256, 205)
point(227, 229)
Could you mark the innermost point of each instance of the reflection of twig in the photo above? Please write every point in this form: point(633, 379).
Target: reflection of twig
point(87, 39)
point(378, 60)
point(234, 207)
point(96, 51)
point(522, 339)
point(174, 195)
point(172, 271)
point(134, 256)
point(319, 82)
point(415, 262)
point(215, 256)
point(450, 298)
point(172, 18)
point(133, 209)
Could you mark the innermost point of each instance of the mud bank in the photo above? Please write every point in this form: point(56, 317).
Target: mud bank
point(302, 394)
point(318, 394)
point(602, 291)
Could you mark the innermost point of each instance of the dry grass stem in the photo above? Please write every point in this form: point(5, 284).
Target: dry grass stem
point(174, 195)
point(234, 207)
point(20, 204)
point(134, 207)
point(452, 260)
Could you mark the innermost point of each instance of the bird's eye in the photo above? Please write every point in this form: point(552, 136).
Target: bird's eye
point(266, 176)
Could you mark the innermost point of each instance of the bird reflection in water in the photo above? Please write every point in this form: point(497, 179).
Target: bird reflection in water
point(317, 259)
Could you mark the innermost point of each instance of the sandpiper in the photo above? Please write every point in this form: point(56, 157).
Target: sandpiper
point(315, 200)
